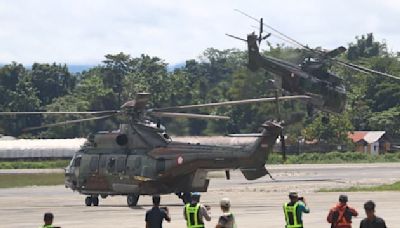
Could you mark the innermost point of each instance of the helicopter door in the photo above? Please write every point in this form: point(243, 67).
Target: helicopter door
point(94, 165)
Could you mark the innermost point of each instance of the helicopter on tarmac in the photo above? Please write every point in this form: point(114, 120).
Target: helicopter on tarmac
point(140, 158)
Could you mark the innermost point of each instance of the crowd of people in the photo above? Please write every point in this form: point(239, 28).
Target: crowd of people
point(195, 213)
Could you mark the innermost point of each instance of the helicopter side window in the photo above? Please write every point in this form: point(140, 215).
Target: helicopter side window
point(120, 164)
point(111, 165)
point(160, 165)
point(77, 162)
point(94, 163)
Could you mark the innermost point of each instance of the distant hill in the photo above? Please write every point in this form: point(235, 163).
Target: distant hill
point(74, 68)
point(79, 68)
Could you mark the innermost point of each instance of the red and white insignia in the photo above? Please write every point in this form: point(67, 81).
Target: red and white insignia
point(180, 160)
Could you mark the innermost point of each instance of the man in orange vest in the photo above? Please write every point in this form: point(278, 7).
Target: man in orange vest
point(340, 215)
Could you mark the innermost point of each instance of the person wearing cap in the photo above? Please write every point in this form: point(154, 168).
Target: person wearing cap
point(371, 221)
point(194, 212)
point(156, 215)
point(341, 214)
point(294, 210)
point(226, 220)
point(48, 221)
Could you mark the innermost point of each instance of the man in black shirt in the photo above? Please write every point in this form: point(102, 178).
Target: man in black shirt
point(371, 221)
point(156, 215)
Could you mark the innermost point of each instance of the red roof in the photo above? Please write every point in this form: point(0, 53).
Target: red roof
point(357, 135)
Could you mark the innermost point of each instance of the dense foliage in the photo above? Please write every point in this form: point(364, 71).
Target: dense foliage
point(217, 75)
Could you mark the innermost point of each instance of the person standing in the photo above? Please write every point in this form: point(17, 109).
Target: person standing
point(156, 215)
point(341, 214)
point(294, 210)
point(194, 212)
point(226, 220)
point(48, 221)
point(371, 221)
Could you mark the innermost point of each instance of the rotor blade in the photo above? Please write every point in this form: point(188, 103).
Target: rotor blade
point(235, 37)
point(238, 102)
point(275, 30)
point(335, 52)
point(139, 102)
point(61, 113)
point(66, 122)
point(365, 69)
point(246, 135)
point(188, 115)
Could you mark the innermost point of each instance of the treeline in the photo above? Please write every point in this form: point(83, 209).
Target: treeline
point(217, 75)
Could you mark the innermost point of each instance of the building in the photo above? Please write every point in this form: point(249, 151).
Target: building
point(372, 142)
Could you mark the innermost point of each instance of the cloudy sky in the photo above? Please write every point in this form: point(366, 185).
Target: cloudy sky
point(83, 31)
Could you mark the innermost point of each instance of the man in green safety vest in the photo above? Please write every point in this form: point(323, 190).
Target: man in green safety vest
point(194, 212)
point(48, 221)
point(294, 210)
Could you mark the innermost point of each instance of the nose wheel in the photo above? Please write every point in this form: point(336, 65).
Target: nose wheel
point(92, 200)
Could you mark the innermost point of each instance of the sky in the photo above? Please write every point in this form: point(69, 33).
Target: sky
point(83, 31)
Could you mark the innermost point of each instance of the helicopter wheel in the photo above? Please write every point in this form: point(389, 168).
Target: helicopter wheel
point(88, 201)
point(132, 200)
point(95, 201)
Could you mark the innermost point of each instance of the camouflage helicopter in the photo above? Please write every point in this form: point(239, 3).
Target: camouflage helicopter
point(140, 158)
point(312, 77)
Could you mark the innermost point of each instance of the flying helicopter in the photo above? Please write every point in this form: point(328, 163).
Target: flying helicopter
point(312, 77)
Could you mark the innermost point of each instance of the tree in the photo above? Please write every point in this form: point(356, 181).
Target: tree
point(51, 81)
point(333, 130)
point(388, 120)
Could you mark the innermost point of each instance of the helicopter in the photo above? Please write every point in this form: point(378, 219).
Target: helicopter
point(140, 158)
point(312, 77)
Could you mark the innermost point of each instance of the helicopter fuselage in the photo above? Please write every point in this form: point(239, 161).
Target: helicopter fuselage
point(121, 163)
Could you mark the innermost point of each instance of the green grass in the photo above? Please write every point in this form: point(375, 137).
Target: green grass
point(385, 187)
point(38, 179)
point(51, 164)
point(333, 157)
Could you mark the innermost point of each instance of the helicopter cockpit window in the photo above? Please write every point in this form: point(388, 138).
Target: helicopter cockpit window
point(111, 165)
point(120, 164)
point(77, 161)
point(94, 163)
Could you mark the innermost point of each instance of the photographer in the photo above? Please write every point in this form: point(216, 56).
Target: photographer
point(341, 214)
point(294, 211)
point(156, 215)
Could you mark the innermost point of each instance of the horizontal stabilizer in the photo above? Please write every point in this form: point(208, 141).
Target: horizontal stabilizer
point(255, 173)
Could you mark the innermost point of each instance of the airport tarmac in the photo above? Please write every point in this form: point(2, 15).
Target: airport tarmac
point(254, 203)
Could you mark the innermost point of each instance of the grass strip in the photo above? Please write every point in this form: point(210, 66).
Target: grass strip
point(334, 158)
point(380, 188)
point(37, 179)
point(50, 164)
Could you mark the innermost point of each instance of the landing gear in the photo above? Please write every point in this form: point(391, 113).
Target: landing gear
point(132, 200)
point(92, 200)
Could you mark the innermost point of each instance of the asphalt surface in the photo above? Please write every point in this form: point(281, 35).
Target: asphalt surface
point(254, 203)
